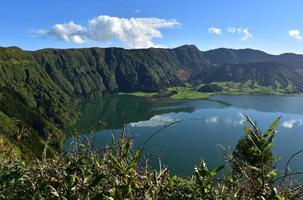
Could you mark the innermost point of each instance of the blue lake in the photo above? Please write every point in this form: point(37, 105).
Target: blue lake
point(202, 126)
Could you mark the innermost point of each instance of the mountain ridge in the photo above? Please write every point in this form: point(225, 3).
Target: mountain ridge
point(40, 89)
point(181, 46)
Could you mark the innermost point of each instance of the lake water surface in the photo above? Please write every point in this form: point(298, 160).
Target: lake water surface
point(202, 126)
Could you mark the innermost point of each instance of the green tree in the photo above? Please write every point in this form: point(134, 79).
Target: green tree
point(253, 159)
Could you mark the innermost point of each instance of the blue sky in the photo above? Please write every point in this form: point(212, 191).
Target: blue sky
point(270, 25)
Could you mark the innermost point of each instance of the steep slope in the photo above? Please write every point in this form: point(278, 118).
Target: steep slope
point(293, 60)
point(223, 55)
point(30, 99)
point(39, 90)
point(95, 71)
point(264, 73)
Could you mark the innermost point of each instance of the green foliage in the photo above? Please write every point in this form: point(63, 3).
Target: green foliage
point(253, 87)
point(264, 74)
point(201, 185)
point(204, 180)
point(119, 173)
point(210, 88)
point(7, 125)
point(43, 88)
point(39, 93)
point(187, 93)
point(253, 157)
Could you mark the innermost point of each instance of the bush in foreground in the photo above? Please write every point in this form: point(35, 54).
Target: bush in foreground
point(119, 172)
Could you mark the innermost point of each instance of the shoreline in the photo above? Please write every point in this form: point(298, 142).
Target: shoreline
point(202, 96)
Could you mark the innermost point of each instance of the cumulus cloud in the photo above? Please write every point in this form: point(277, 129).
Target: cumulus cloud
point(214, 30)
point(69, 32)
point(134, 32)
point(213, 119)
point(157, 120)
point(237, 120)
point(244, 32)
point(231, 29)
point(289, 123)
point(294, 33)
point(292, 122)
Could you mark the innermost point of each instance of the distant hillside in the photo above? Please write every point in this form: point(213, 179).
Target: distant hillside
point(222, 55)
point(264, 73)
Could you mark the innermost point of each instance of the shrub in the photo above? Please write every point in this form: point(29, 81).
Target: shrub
point(118, 173)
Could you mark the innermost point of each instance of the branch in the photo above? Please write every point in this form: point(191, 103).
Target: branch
point(155, 133)
point(287, 164)
point(286, 175)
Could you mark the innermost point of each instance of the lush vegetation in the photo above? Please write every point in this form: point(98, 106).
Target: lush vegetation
point(175, 93)
point(223, 55)
point(204, 91)
point(121, 172)
point(252, 87)
point(266, 74)
point(187, 93)
point(41, 90)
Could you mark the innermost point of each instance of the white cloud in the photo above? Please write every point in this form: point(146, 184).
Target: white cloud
point(294, 33)
point(231, 29)
point(247, 34)
point(289, 123)
point(292, 122)
point(241, 31)
point(69, 32)
point(134, 32)
point(214, 30)
point(238, 120)
point(157, 120)
point(213, 119)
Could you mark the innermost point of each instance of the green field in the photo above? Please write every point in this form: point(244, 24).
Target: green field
point(191, 91)
point(187, 93)
point(250, 87)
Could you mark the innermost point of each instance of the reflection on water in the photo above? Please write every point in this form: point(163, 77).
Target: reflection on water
point(283, 104)
point(203, 125)
point(157, 120)
point(121, 109)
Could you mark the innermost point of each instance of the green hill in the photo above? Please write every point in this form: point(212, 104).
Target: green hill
point(272, 74)
point(40, 90)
